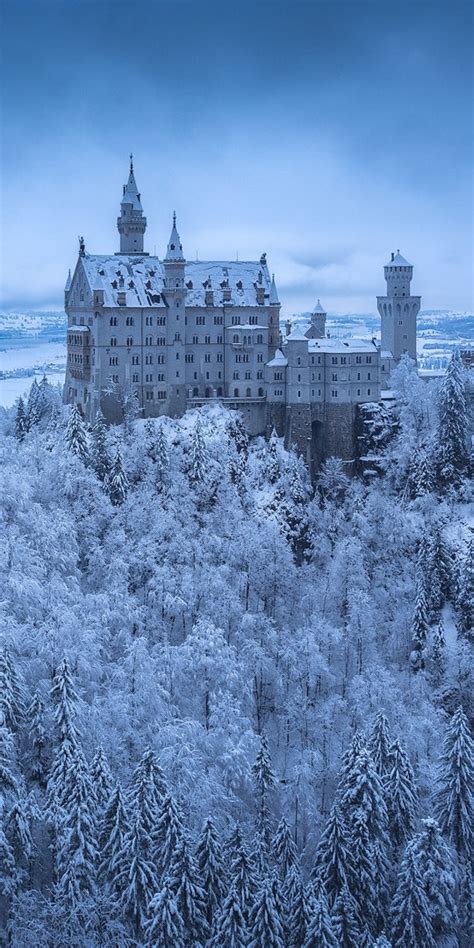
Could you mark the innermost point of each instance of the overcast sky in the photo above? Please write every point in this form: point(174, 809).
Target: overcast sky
point(325, 133)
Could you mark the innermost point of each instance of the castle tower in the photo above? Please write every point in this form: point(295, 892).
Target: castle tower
point(131, 223)
point(398, 309)
point(175, 296)
point(317, 327)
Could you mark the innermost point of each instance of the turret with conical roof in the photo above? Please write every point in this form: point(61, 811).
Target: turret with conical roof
point(175, 249)
point(132, 222)
point(317, 327)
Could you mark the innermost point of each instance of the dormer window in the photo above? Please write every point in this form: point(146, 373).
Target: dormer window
point(172, 247)
point(131, 285)
point(114, 284)
point(189, 284)
point(239, 284)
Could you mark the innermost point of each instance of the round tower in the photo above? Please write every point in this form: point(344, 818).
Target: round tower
point(132, 223)
point(398, 309)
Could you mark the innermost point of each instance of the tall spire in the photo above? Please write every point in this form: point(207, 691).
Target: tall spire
point(131, 223)
point(175, 249)
point(273, 298)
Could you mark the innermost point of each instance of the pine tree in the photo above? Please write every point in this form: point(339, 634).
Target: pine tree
point(283, 848)
point(379, 745)
point(453, 426)
point(348, 760)
point(8, 870)
point(454, 799)
point(438, 654)
point(334, 863)
point(345, 922)
point(99, 452)
point(162, 460)
point(465, 597)
point(438, 876)
point(292, 498)
point(320, 932)
point(8, 779)
point(419, 631)
point(21, 421)
point(401, 795)
point(243, 878)
point(101, 779)
point(164, 927)
point(117, 482)
point(211, 867)
point(297, 903)
point(189, 894)
point(76, 436)
point(32, 406)
point(65, 699)
point(230, 928)
point(272, 460)
point(410, 912)
point(166, 833)
point(266, 925)
point(12, 695)
point(18, 828)
point(36, 730)
point(421, 473)
point(135, 876)
point(113, 828)
point(265, 781)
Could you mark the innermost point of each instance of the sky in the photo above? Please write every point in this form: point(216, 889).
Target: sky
point(326, 134)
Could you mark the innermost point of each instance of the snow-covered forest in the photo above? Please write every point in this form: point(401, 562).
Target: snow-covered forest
point(235, 707)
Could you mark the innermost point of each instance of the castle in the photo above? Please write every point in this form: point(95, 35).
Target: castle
point(178, 334)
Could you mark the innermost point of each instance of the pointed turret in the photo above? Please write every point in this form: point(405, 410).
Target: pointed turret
point(131, 223)
point(273, 298)
point(68, 281)
point(317, 327)
point(175, 249)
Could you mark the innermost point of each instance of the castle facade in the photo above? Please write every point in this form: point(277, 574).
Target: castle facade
point(176, 334)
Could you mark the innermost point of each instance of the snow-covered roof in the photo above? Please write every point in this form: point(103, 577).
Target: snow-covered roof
point(319, 309)
point(341, 345)
point(297, 335)
point(398, 261)
point(273, 298)
point(130, 193)
point(78, 329)
point(386, 354)
point(278, 359)
point(175, 249)
point(246, 326)
point(114, 274)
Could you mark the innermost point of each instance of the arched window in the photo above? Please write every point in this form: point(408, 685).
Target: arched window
point(195, 392)
point(248, 392)
point(129, 341)
point(208, 392)
point(259, 339)
point(260, 392)
point(113, 341)
point(235, 338)
point(236, 393)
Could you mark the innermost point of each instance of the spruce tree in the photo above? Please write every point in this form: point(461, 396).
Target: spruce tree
point(8, 765)
point(284, 849)
point(266, 924)
point(8, 870)
point(438, 876)
point(199, 461)
point(420, 623)
point(230, 928)
point(190, 896)
point(438, 654)
point(454, 796)
point(211, 868)
point(345, 922)
point(166, 833)
point(19, 830)
point(113, 828)
point(76, 436)
point(77, 842)
point(379, 745)
point(421, 480)
point(32, 406)
point(265, 781)
point(320, 933)
point(334, 863)
point(401, 795)
point(99, 451)
point(101, 779)
point(465, 596)
point(12, 695)
point(37, 733)
point(272, 460)
point(64, 697)
point(453, 426)
point(297, 900)
point(117, 481)
point(348, 761)
point(21, 421)
point(243, 878)
point(164, 927)
point(162, 460)
point(135, 877)
point(410, 911)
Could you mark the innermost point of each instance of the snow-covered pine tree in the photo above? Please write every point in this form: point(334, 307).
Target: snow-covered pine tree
point(272, 458)
point(190, 897)
point(264, 781)
point(32, 406)
point(345, 922)
point(198, 459)
point(8, 870)
point(438, 654)
point(164, 927)
point(297, 899)
point(320, 933)
point(243, 877)
point(454, 795)
point(292, 496)
point(166, 833)
point(438, 876)
point(420, 478)
point(113, 828)
point(453, 426)
point(465, 596)
point(162, 461)
point(117, 481)
point(8, 764)
point(211, 868)
point(99, 451)
point(230, 928)
point(419, 631)
point(379, 744)
point(348, 760)
point(284, 849)
point(333, 861)
point(401, 795)
point(76, 436)
point(135, 876)
point(77, 842)
point(266, 925)
point(19, 831)
point(65, 700)
point(410, 911)
point(101, 779)
point(21, 421)
point(12, 692)
point(37, 733)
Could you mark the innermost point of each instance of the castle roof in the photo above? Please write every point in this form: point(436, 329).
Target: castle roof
point(142, 280)
point(175, 249)
point(278, 359)
point(398, 261)
point(273, 299)
point(130, 192)
point(341, 345)
point(297, 335)
point(319, 309)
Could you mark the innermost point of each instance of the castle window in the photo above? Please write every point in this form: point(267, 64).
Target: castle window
point(130, 321)
point(207, 375)
point(148, 320)
point(200, 320)
point(260, 357)
point(368, 376)
point(312, 392)
point(220, 357)
point(334, 360)
point(218, 320)
point(319, 392)
point(195, 375)
point(260, 375)
point(129, 341)
point(219, 391)
point(343, 360)
point(135, 377)
point(236, 393)
point(236, 320)
point(334, 392)
point(161, 395)
point(368, 391)
point(195, 340)
point(220, 340)
point(113, 341)
point(358, 360)
point(299, 378)
point(312, 360)
point(299, 360)
point(235, 338)
point(148, 340)
point(148, 360)
point(299, 394)
point(248, 375)
point(177, 355)
point(259, 339)
point(160, 340)
point(177, 337)
point(207, 340)
point(219, 375)
point(207, 357)
point(334, 377)
point(195, 392)
point(189, 357)
point(149, 377)
point(160, 321)
point(358, 376)
point(369, 359)
point(160, 360)
point(235, 375)
point(319, 360)
point(248, 392)
point(113, 320)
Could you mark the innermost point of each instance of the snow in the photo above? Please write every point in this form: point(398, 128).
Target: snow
point(398, 261)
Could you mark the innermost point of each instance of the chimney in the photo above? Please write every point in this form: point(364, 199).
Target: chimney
point(393, 256)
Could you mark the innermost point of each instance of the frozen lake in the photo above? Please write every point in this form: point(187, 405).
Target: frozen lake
point(21, 359)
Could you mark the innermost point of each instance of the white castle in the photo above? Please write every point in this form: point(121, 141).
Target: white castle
point(177, 334)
